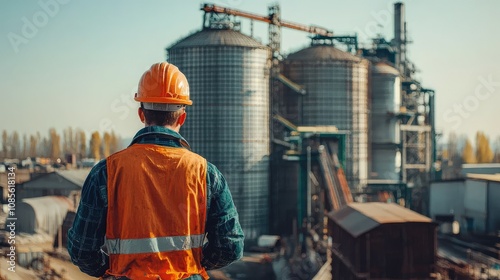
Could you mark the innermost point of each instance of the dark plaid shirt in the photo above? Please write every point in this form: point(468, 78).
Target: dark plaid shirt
point(85, 238)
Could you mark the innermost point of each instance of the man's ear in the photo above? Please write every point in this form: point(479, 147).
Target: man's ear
point(181, 119)
point(140, 112)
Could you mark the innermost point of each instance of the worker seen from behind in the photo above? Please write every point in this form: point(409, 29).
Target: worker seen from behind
point(154, 204)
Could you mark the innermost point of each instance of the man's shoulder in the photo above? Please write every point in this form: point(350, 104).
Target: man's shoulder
point(98, 170)
point(99, 166)
point(216, 180)
point(212, 169)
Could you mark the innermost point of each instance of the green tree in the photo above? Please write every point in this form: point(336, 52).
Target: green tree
point(484, 154)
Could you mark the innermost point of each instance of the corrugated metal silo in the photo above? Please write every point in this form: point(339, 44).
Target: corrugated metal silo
point(228, 124)
point(386, 100)
point(337, 94)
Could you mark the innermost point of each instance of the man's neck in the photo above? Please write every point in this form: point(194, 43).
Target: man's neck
point(174, 128)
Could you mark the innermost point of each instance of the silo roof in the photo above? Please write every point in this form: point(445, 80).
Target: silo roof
point(358, 218)
point(384, 68)
point(322, 52)
point(216, 37)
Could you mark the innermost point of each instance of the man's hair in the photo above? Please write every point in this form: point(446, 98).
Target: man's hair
point(161, 118)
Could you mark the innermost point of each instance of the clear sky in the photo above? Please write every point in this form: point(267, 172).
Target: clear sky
point(77, 63)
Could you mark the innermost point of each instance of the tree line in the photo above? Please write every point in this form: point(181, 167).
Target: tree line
point(57, 146)
point(483, 153)
point(460, 149)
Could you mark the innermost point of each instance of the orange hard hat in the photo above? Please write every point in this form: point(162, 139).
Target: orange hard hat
point(163, 83)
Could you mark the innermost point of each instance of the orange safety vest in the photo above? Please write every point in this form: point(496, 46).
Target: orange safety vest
point(156, 212)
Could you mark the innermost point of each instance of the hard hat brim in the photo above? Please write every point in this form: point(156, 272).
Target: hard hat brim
point(164, 107)
point(165, 100)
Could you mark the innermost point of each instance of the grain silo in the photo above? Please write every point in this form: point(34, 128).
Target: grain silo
point(337, 94)
point(228, 124)
point(385, 140)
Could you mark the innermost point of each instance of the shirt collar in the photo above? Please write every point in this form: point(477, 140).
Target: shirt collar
point(160, 131)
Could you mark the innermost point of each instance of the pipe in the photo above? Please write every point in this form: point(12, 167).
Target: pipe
point(309, 206)
point(399, 35)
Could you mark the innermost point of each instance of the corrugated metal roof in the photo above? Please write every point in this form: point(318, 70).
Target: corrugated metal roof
point(44, 214)
point(216, 37)
point(358, 218)
point(62, 179)
point(76, 176)
point(315, 53)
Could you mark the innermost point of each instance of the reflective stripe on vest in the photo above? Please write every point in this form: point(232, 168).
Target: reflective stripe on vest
point(154, 245)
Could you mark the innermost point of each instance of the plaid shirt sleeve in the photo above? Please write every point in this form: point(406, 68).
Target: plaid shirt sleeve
point(224, 233)
point(86, 236)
